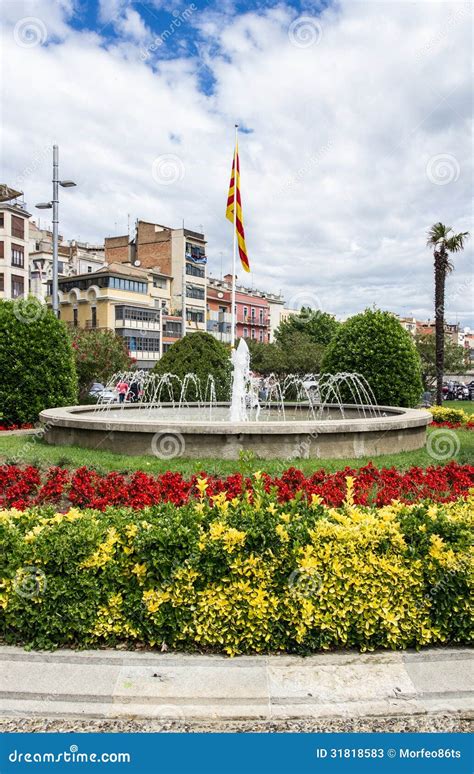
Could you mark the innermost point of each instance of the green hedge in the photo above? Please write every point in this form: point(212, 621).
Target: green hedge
point(36, 361)
point(238, 577)
point(375, 345)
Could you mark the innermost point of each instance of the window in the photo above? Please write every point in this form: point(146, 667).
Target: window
point(246, 311)
point(94, 317)
point(2, 282)
point(2, 219)
point(18, 227)
point(159, 282)
point(18, 286)
point(75, 320)
point(195, 271)
point(104, 282)
point(89, 269)
point(137, 314)
point(18, 256)
point(260, 316)
point(60, 267)
point(2, 250)
point(195, 252)
point(193, 291)
point(246, 333)
point(194, 316)
point(254, 335)
point(172, 328)
point(261, 335)
point(142, 343)
point(253, 314)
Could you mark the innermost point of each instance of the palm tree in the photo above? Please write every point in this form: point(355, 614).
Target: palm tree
point(444, 242)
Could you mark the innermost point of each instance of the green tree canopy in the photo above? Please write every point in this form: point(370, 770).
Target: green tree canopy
point(36, 361)
point(319, 327)
point(200, 354)
point(297, 355)
point(375, 345)
point(98, 355)
point(454, 358)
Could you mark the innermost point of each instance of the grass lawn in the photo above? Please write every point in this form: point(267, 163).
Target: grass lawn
point(28, 450)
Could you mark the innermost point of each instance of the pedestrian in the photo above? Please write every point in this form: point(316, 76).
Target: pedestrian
point(122, 389)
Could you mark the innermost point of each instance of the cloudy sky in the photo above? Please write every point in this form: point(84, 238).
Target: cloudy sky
point(355, 133)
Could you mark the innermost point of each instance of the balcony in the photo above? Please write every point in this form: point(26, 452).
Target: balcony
point(264, 321)
point(140, 325)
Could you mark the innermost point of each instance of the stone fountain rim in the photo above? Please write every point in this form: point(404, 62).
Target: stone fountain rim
point(397, 419)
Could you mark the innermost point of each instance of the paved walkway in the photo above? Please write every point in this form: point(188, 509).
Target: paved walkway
point(176, 687)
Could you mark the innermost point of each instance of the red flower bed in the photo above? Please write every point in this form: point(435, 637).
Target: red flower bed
point(455, 425)
point(85, 488)
point(15, 427)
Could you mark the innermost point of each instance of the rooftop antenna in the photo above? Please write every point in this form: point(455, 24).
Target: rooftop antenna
point(128, 225)
point(221, 255)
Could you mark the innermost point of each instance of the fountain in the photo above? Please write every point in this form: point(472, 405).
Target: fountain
point(300, 417)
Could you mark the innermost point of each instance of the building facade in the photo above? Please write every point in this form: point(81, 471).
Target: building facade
point(257, 312)
point(73, 258)
point(131, 301)
point(14, 244)
point(178, 253)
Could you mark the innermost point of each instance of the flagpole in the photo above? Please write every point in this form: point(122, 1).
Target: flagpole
point(234, 252)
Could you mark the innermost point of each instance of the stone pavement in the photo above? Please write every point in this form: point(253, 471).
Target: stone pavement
point(106, 684)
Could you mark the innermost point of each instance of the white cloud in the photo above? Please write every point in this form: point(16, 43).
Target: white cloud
point(340, 178)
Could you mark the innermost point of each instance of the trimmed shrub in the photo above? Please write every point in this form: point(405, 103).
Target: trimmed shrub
point(375, 345)
point(36, 361)
point(247, 575)
point(200, 354)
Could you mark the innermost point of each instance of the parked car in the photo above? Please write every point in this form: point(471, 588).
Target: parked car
point(103, 394)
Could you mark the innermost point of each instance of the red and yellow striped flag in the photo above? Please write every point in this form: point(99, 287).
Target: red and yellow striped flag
point(234, 188)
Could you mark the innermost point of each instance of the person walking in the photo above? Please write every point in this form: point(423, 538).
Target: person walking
point(122, 389)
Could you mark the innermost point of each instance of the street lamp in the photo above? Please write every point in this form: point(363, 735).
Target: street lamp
point(54, 204)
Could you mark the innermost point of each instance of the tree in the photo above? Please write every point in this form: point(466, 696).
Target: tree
point(444, 243)
point(99, 354)
point(320, 327)
point(200, 354)
point(298, 355)
point(454, 358)
point(375, 345)
point(36, 361)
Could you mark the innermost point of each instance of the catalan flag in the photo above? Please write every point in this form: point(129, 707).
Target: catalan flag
point(234, 195)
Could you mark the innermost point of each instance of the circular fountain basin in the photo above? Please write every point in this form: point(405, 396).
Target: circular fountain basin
point(200, 432)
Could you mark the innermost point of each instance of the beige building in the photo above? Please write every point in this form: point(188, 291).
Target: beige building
point(14, 244)
point(134, 302)
point(179, 253)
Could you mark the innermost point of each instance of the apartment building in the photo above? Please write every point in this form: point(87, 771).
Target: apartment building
point(453, 331)
point(14, 244)
point(256, 311)
point(178, 253)
point(73, 258)
point(134, 302)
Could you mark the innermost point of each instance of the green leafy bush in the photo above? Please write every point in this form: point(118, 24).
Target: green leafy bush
point(319, 327)
point(98, 355)
point(238, 576)
point(375, 345)
point(36, 361)
point(200, 354)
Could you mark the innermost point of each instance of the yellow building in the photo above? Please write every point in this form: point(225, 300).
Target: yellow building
point(131, 301)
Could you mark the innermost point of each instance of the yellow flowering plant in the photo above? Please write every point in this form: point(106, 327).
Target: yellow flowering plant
point(247, 575)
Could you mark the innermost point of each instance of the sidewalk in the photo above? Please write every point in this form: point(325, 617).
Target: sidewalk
point(110, 684)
